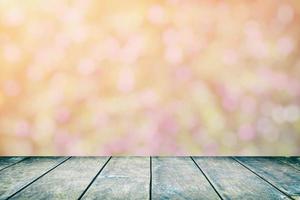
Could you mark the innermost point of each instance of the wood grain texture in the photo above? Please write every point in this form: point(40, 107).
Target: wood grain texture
point(8, 161)
point(233, 181)
point(14, 178)
point(122, 178)
point(179, 178)
point(67, 181)
point(293, 161)
point(279, 174)
point(138, 178)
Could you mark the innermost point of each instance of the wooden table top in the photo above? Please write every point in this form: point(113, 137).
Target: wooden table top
point(149, 177)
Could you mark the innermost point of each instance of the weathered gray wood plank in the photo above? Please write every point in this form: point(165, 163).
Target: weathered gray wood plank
point(122, 178)
point(233, 181)
point(129, 178)
point(179, 178)
point(18, 176)
point(293, 161)
point(8, 161)
point(279, 174)
point(67, 181)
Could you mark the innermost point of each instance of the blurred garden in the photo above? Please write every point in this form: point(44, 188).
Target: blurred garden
point(145, 77)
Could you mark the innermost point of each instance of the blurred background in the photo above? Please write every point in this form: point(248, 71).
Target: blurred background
point(141, 77)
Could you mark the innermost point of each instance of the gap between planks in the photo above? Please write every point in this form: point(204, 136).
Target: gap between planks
point(37, 177)
point(242, 164)
point(150, 184)
point(289, 164)
point(14, 164)
point(206, 178)
point(90, 184)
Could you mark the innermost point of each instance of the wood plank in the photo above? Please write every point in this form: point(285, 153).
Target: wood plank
point(277, 173)
point(233, 181)
point(122, 178)
point(67, 181)
point(179, 178)
point(18, 176)
point(293, 161)
point(8, 161)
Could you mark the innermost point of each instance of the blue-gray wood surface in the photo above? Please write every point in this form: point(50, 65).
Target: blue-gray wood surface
point(149, 178)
